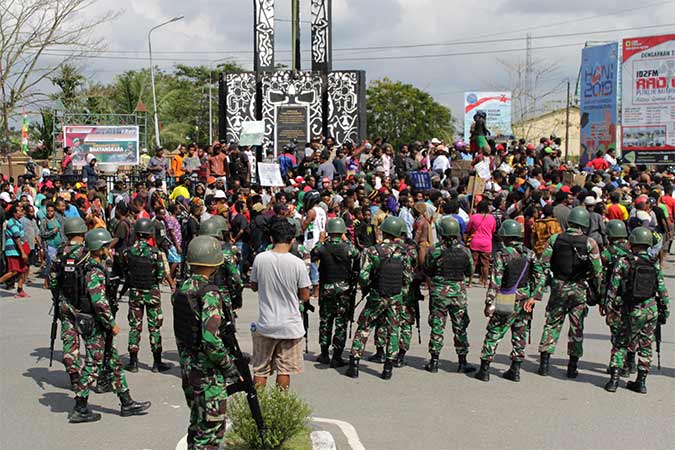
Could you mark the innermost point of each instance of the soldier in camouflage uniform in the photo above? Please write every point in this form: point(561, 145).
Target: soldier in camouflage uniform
point(574, 260)
point(73, 251)
point(518, 279)
point(410, 304)
point(617, 249)
point(637, 294)
point(386, 274)
point(97, 327)
point(335, 256)
point(145, 271)
point(448, 264)
point(198, 309)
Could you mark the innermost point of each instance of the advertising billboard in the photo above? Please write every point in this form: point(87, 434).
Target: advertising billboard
point(108, 144)
point(497, 106)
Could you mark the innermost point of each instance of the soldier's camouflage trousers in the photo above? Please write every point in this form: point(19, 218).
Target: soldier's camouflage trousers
point(93, 364)
point(333, 305)
point(454, 306)
point(567, 299)
point(71, 346)
point(407, 322)
point(497, 328)
point(387, 309)
point(619, 339)
point(207, 421)
point(642, 320)
point(150, 301)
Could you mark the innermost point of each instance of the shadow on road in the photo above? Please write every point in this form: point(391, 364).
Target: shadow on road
point(59, 402)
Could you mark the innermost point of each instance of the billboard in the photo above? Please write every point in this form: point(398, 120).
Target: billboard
point(497, 106)
point(598, 95)
point(648, 99)
point(109, 144)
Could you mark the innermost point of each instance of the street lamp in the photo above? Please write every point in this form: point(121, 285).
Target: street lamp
point(152, 74)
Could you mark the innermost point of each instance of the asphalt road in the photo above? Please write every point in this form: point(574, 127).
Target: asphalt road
point(414, 410)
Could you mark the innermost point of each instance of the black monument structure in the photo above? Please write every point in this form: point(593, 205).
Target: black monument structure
point(294, 104)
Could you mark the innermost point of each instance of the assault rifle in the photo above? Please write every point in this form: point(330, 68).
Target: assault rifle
point(415, 298)
point(353, 286)
point(307, 307)
point(55, 324)
point(245, 383)
point(112, 284)
point(657, 337)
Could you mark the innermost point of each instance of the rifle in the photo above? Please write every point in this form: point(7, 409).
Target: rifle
point(415, 297)
point(352, 294)
point(307, 306)
point(529, 331)
point(112, 284)
point(245, 383)
point(657, 336)
point(55, 324)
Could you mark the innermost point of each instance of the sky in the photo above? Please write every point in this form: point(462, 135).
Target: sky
point(219, 29)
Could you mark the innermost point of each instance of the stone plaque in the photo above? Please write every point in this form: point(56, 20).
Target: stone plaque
point(292, 122)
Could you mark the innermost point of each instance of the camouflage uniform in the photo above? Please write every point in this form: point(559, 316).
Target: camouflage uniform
point(518, 321)
point(408, 308)
point(378, 307)
point(642, 317)
point(151, 299)
point(234, 285)
point(203, 369)
point(619, 331)
point(568, 298)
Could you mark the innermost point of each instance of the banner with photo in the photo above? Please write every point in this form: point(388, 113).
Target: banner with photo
point(497, 107)
point(598, 97)
point(116, 145)
point(648, 100)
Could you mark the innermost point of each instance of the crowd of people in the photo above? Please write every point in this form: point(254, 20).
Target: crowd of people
point(348, 216)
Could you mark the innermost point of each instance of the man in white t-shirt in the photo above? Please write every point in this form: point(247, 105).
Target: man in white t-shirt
point(281, 280)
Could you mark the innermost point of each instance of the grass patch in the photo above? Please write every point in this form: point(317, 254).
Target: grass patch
point(299, 441)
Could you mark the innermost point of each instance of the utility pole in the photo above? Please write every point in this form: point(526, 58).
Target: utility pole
point(295, 35)
point(529, 83)
point(567, 123)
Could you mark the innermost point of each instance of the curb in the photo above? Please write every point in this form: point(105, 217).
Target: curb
point(322, 440)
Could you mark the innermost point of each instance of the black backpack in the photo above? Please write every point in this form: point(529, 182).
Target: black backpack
point(389, 274)
point(642, 281)
point(570, 260)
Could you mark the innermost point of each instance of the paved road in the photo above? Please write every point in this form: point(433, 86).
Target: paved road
point(415, 410)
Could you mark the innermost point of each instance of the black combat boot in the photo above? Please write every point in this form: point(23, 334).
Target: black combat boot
point(629, 366)
point(483, 373)
point(353, 369)
point(158, 365)
point(74, 380)
point(544, 364)
point(464, 366)
point(133, 363)
point(513, 373)
point(131, 407)
point(324, 357)
point(388, 369)
point(572, 371)
point(378, 357)
point(103, 383)
point(400, 359)
point(81, 413)
point(613, 383)
point(337, 360)
point(432, 365)
point(640, 383)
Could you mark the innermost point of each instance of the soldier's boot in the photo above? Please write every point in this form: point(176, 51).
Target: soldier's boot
point(337, 360)
point(131, 407)
point(400, 359)
point(158, 365)
point(74, 380)
point(133, 363)
point(81, 413)
point(103, 384)
point(378, 357)
point(388, 369)
point(629, 366)
point(572, 371)
point(353, 369)
point(544, 364)
point(483, 373)
point(432, 365)
point(324, 357)
point(613, 383)
point(464, 366)
point(640, 383)
point(513, 373)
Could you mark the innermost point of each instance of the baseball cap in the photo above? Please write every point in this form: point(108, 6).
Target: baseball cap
point(325, 180)
point(590, 201)
point(6, 197)
point(435, 141)
point(210, 180)
point(566, 189)
point(219, 194)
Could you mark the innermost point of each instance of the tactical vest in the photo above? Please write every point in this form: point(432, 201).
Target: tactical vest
point(141, 271)
point(335, 263)
point(642, 280)
point(73, 285)
point(187, 308)
point(389, 280)
point(454, 263)
point(512, 273)
point(570, 260)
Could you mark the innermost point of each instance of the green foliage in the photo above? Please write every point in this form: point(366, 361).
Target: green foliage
point(42, 132)
point(284, 413)
point(400, 113)
point(69, 80)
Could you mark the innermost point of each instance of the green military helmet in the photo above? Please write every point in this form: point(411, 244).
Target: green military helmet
point(97, 238)
point(641, 236)
point(336, 226)
point(393, 226)
point(74, 225)
point(212, 227)
point(579, 216)
point(221, 221)
point(144, 227)
point(449, 227)
point(511, 229)
point(616, 229)
point(204, 251)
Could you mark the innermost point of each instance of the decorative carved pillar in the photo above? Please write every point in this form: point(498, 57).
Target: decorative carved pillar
point(263, 35)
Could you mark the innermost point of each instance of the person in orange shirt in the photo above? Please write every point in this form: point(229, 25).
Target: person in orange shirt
point(177, 163)
point(616, 211)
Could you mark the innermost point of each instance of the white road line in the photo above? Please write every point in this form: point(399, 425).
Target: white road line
point(347, 429)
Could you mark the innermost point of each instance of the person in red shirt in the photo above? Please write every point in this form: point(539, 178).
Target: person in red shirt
point(615, 211)
point(668, 200)
point(599, 163)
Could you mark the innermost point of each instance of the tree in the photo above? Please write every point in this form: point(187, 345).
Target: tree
point(42, 132)
point(400, 113)
point(29, 31)
point(69, 79)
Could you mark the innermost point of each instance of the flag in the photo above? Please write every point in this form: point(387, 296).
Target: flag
point(24, 134)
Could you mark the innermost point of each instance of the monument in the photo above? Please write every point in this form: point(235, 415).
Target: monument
point(294, 104)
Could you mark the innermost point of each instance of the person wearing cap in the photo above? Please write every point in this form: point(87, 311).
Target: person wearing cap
point(89, 170)
point(597, 229)
point(158, 166)
point(144, 159)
